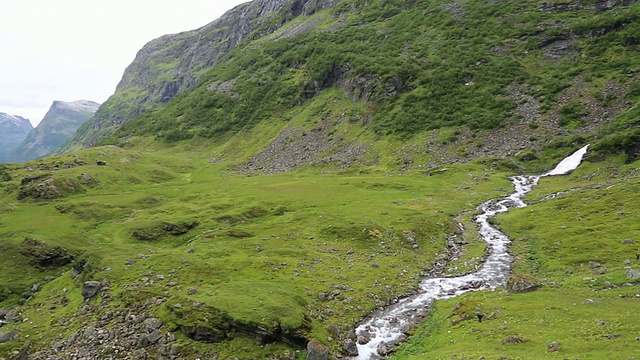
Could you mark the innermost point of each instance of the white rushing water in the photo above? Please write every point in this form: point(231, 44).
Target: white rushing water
point(385, 328)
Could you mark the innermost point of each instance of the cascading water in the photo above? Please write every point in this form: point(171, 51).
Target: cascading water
point(386, 327)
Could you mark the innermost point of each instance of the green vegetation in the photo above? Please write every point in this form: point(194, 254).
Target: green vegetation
point(268, 251)
point(454, 69)
point(194, 216)
point(582, 245)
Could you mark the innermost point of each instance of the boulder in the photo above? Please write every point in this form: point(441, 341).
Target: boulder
point(633, 274)
point(553, 347)
point(364, 339)
point(152, 324)
point(350, 348)
point(155, 336)
point(383, 349)
point(335, 332)
point(92, 288)
point(317, 350)
point(513, 339)
point(599, 271)
point(522, 283)
point(7, 336)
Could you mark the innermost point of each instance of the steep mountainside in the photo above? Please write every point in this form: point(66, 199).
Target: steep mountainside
point(61, 121)
point(13, 130)
point(173, 64)
point(456, 80)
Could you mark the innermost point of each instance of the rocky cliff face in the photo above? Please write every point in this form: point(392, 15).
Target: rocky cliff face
point(171, 64)
point(13, 130)
point(61, 121)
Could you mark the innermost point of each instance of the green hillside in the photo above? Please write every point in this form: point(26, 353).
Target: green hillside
point(315, 174)
point(408, 68)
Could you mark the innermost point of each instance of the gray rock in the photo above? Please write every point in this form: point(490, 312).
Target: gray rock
point(594, 265)
point(317, 350)
point(139, 354)
point(350, 348)
point(91, 289)
point(335, 332)
point(364, 339)
point(7, 336)
point(627, 241)
point(152, 324)
point(512, 339)
point(554, 346)
point(522, 283)
point(155, 336)
point(600, 271)
point(383, 348)
point(170, 337)
point(12, 316)
point(633, 274)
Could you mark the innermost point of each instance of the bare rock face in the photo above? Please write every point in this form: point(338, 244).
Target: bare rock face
point(147, 83)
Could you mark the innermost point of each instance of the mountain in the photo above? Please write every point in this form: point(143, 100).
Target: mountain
point(13, 130)
point(59, 123)
point(531, 75)
point(173, 64)
point(289, 186)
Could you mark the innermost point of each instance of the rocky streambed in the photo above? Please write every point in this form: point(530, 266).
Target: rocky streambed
point(386, 328)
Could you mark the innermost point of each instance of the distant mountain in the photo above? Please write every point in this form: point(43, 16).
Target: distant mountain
point(13, 130)
point(61, 121)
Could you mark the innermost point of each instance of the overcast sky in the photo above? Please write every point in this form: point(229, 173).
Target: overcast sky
point(78, 49)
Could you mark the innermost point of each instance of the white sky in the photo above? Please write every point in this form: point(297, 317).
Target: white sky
point(78, 49)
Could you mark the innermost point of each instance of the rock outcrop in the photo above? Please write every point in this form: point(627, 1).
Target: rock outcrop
point(44, 256)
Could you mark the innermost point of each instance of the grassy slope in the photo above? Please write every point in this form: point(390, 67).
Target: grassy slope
point(306, 222)
point(592, 316)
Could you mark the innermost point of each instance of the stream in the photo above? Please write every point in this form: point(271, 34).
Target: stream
point(387, 327)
